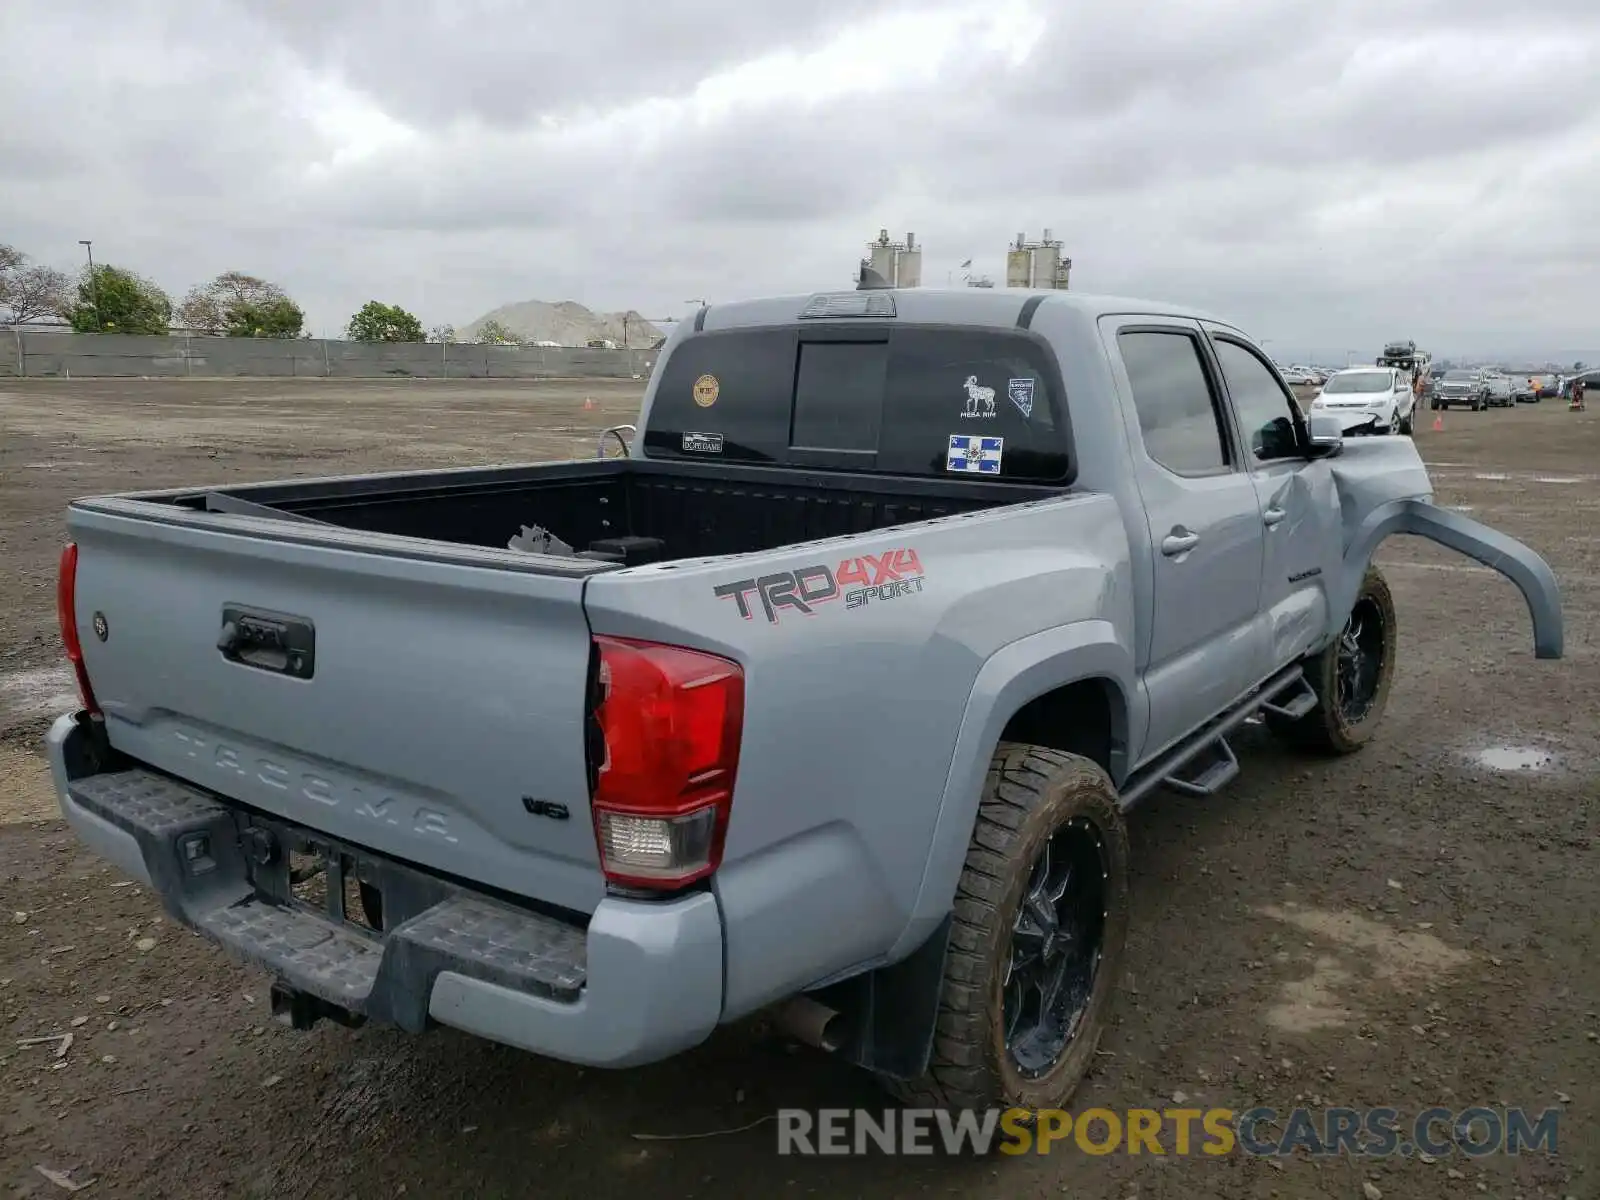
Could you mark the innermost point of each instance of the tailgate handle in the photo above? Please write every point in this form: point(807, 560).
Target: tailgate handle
point(268, 641)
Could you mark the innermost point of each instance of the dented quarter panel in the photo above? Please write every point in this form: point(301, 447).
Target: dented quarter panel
point(1370, 472)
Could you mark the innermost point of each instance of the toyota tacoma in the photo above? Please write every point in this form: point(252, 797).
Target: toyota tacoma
point(828, 698)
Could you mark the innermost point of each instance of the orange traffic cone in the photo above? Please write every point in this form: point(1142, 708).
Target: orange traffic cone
point(588, 403)
point(1438, 423)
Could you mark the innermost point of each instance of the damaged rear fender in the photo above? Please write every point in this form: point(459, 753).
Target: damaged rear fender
point(1517, 562)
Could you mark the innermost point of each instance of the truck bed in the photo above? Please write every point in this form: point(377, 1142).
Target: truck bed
point(694, 511)
point(367, 658)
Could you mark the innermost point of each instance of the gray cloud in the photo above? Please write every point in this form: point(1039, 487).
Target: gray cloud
point(1328, 174)
point(503, 62)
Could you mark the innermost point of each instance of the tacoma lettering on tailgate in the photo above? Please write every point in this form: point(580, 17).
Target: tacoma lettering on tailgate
point(859, 580)
point(222, 760)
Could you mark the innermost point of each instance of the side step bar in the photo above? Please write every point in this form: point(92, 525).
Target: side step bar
point(1205, 763)
point(1217, 769)
point(1292, 703)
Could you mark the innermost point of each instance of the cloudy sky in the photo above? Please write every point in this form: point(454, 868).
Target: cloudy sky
point(1328, 173)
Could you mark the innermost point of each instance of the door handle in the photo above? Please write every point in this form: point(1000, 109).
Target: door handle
point(1273, 515)
point(1176, 543)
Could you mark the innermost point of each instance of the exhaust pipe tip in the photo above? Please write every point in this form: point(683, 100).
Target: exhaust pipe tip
point(817, 1025)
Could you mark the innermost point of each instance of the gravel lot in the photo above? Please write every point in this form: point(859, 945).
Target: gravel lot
point(1414, 926)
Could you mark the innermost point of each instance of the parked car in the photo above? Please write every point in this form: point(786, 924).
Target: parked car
point(1461, 386)
point(1546, 387)
point(1500, 389)
point(1368, 400)
point(1523, 389)
point(768, 713)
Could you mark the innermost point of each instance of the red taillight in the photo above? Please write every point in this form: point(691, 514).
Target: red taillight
point(67, 615)
point(668, 723)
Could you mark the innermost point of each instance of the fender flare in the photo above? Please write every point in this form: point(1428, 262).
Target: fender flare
point(1015, 674)
point(1495, 550)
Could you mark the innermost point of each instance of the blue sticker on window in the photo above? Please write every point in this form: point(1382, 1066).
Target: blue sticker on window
point(974, 455)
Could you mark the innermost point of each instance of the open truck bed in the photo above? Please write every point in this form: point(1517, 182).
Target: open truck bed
point(691, 511)
point(368, 657)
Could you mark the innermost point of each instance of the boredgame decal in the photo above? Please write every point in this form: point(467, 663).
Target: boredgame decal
point(860, 580)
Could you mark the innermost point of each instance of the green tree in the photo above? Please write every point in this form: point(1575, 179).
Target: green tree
point(377, 322)
point(115, 300)
point(281, 318)
point(28, 292)
point(238, 305)
point(442, 333)
point(496, 333)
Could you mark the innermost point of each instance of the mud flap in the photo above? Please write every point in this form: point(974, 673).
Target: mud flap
point(889, 1014)
point(1493, 549)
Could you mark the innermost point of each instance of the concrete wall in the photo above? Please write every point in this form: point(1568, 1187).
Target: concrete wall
point(89, 355)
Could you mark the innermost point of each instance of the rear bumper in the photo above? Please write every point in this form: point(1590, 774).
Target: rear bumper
point(639, 983)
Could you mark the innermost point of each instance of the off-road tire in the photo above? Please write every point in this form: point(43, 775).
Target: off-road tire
point(1029, 794)
point(1326, 729)
point(1408, 422)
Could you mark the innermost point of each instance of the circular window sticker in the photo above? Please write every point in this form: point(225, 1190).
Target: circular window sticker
point(705, 391)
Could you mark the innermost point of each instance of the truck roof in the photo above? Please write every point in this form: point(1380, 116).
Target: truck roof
point(994, 308)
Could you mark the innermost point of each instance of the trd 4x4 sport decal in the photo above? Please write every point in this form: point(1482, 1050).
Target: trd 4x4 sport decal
point(860, 581)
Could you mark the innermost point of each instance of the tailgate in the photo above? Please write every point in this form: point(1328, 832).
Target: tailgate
point(425, 707)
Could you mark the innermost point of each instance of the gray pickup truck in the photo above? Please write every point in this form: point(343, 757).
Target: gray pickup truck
point(826, 700)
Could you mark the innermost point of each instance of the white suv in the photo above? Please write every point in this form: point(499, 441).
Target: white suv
point(1369, 400)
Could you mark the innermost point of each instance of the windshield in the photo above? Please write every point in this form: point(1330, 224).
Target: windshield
point(1460, 376)
point(1358, 381)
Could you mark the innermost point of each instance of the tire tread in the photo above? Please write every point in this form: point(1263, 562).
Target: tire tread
point(1019, 780)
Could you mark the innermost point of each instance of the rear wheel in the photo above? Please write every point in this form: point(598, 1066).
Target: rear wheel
point(1351, 677)
point(1408, 422)
point(1041, 916)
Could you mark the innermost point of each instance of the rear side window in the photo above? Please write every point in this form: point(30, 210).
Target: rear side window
point(905, 400)
point(1172, 395)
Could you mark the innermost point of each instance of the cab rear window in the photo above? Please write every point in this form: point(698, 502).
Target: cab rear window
point(906, 400)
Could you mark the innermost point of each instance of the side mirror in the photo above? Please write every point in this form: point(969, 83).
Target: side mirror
point(1327, 435)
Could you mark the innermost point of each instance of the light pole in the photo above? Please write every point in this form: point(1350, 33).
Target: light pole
point(94, 283)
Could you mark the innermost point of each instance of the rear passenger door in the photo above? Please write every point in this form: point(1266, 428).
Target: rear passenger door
point(1204, 522)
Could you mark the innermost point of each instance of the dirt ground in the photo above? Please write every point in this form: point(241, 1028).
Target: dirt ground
point(1412, 926)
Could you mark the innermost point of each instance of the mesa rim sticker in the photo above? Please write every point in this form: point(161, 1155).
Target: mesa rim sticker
point(974, 455)
point(980, 400)
point(706, 389)
point(1021, 393)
